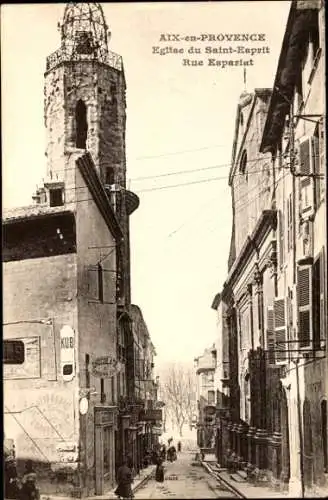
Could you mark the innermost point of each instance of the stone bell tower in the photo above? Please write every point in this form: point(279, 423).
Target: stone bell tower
point(84, 95)
point(85, 110)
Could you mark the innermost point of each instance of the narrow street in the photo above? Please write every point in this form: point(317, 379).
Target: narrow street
point(183, 480)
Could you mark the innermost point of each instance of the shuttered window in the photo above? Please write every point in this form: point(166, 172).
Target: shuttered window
point(281, 237)
point(280, 329)
point(95, 283)
point(306, 168)
point(270, 336)
point(304, 304)
point(289, 222)
point(323, 298)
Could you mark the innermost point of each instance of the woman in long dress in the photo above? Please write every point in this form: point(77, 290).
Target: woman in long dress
point(124, 481)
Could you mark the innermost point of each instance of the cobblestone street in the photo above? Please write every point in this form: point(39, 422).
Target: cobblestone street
point(183, 480)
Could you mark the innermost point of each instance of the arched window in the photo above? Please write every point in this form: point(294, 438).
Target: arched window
point(324, 425)
point(81, 125)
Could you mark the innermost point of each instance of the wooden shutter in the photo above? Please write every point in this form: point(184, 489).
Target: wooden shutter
point(306, 169)
point(304, 304)
point(323, 299)
point(280, 329)
point(270, 336)
point(316, 169)
point(92, 277)
point(281, 237)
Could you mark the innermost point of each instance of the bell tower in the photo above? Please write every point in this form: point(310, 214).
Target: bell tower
point(84, 96)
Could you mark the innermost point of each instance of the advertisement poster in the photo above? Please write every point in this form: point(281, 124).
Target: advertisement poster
point(164, 247)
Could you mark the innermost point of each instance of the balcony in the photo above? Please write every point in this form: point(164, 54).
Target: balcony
point(115, 192)
point(62, 55)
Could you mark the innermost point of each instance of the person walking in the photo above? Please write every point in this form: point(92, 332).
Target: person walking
point(159, 474)
point(124, 481)
point(179, 446)
point(29, 490)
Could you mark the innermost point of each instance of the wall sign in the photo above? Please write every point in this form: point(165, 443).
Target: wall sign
point(105, 367)
point(67, 353)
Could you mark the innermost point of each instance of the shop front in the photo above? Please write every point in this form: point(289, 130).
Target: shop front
point(105, 427)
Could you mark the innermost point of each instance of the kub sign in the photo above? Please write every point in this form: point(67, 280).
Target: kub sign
point(67, 354)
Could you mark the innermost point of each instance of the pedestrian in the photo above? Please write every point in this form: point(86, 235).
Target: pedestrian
point(163, 452)
point(29, 490)
point(124, 481)
point(179, 446)
point(11, 488)
point(159, 474)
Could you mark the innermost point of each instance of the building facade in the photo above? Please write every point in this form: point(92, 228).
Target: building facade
point(275, 294)
point(65, 375)
point(206, 398)
point(295, 136)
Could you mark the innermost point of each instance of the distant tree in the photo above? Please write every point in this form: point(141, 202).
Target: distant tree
point(178, 387)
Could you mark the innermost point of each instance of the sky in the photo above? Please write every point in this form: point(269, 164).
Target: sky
point(179, 118)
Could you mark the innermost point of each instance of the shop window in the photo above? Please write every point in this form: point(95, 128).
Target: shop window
point(81, 125)
point(13, 352)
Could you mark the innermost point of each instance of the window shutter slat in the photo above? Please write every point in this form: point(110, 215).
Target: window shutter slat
point(281, 238)
point(270, 335)
point(306, 168)
point(304, 304)
point(280, 329)
point(323, 299)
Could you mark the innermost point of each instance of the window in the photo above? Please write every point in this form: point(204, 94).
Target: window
point(304, 304)
point(56, 197)
point(243, 163)
point(87, 373)
point(13, 352)
point(306, 170)
point(211, 397)
point(112, 381)
point(102, 391)
point(109, 176)
point(270, 337)
point(280, 329)
point(324, 434)
point(100, 283)
point(81, 125)
point(83, 41)
point(281, 237)
point(319, 165)
point(289, 222)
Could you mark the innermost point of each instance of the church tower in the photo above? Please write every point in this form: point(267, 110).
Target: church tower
point(85, 110)
point(84, 95)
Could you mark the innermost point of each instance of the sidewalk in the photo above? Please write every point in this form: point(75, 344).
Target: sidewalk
point(139, 480)
point(242, 487)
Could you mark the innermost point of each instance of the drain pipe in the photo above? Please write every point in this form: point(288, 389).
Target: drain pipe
point(300, 429)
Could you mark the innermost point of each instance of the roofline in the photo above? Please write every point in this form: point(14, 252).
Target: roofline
point(87, 168)
point(258, 92)
point(276, 97)
point(49, 213)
